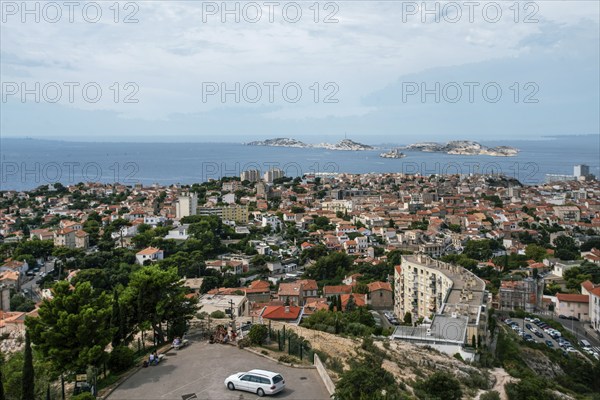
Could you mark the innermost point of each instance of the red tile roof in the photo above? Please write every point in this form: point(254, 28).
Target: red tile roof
point(330, 290)
point(379, 286)
point(573, 298)
point(281, 312)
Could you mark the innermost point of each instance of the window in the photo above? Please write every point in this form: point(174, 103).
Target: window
point(247, 378)
point(277, 378)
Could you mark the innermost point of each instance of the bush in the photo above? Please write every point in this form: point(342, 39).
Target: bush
point(288, 359)
point(218, 314)
point(258, 334)
point(440, 385)
point(83, 396)
point(336, 364)
point(121, 359)
point(245, 342)
point(491, 395)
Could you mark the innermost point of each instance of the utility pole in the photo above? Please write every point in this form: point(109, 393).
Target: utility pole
point(231, 309)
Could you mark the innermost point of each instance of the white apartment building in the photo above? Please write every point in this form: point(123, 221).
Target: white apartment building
point(186, 205)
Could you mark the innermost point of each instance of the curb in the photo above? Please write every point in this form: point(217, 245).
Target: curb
point(279, 362)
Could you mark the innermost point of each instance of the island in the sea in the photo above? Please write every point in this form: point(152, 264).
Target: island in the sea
point(394, 153)
point(345, 144)
point(463, 147)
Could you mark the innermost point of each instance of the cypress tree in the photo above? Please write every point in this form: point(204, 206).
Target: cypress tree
point(115, 320)
point(1, 387)
point(28, 378)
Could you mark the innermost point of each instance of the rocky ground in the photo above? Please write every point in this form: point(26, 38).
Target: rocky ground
point(407, 362)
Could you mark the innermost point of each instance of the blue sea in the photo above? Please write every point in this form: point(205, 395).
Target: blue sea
point(28, 163)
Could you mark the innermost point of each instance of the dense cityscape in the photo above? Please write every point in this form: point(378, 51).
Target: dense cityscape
point(390, 286)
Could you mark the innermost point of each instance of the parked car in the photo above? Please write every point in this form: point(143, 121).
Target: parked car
point(508, 321)
point(572, 318)
point(562, 316)
point(538, 334)
point(549, 343)
point(528, 326)
point(256, 381)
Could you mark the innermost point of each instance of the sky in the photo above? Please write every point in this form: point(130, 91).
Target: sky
point(372, 71)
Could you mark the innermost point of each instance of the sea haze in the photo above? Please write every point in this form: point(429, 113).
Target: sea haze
point(28, 163)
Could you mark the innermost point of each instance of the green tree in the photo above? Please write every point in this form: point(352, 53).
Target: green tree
point(566, 248)
point(73, 329)
point(365, 380)
point(28, 382)
point(258, 334)
point(157, 297)
point(408, 318)
point(478, 249)
point(439, 386)
point(535, 252)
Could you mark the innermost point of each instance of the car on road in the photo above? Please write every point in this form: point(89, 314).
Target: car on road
point(549, 343)
point(573, 318)
point(256, 381)
point(561, 316)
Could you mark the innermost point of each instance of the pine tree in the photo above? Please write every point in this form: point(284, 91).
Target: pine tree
point(115, 320)
point(28, 376)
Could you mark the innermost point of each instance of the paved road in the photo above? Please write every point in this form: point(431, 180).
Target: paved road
point(198, 372)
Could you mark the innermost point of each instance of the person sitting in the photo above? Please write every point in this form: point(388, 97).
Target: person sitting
point(177, 343)
point(156, 358)
point(151, 360)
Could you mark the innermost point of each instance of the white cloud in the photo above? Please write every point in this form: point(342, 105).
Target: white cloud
point(171, 52)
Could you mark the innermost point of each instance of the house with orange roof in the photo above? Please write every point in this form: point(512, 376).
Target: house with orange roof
point(151, 254)
point(573, 305)
point(592, 256)
point(336, 290)
point(380, 296)
point(290, 314)
point(360, 300)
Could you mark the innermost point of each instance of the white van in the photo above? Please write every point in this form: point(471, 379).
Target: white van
point(256, 381)
point(585, 343)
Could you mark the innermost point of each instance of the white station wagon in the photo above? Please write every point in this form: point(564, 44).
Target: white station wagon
point(256, 381)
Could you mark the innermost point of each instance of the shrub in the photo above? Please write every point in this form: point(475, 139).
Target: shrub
point(245, 342)
point(288, 359)
point(336, 364)
point(217, 314)
point(258, 334)
point(491, 395)
point(83, 396)
point(440, 385)
point(121, 359)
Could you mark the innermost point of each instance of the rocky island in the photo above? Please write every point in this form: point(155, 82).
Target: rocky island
point(463, 147)
point(345, 145)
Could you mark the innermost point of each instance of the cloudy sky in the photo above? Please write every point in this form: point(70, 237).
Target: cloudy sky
point(376, 71)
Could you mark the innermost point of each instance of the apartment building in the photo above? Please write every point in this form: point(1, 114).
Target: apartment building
point(451, 300)
point(186, 205)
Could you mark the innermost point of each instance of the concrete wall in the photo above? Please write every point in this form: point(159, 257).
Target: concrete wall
point(324, 375)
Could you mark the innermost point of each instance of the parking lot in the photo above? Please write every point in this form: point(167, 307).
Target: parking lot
point(198, 372)
point(544, 336)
